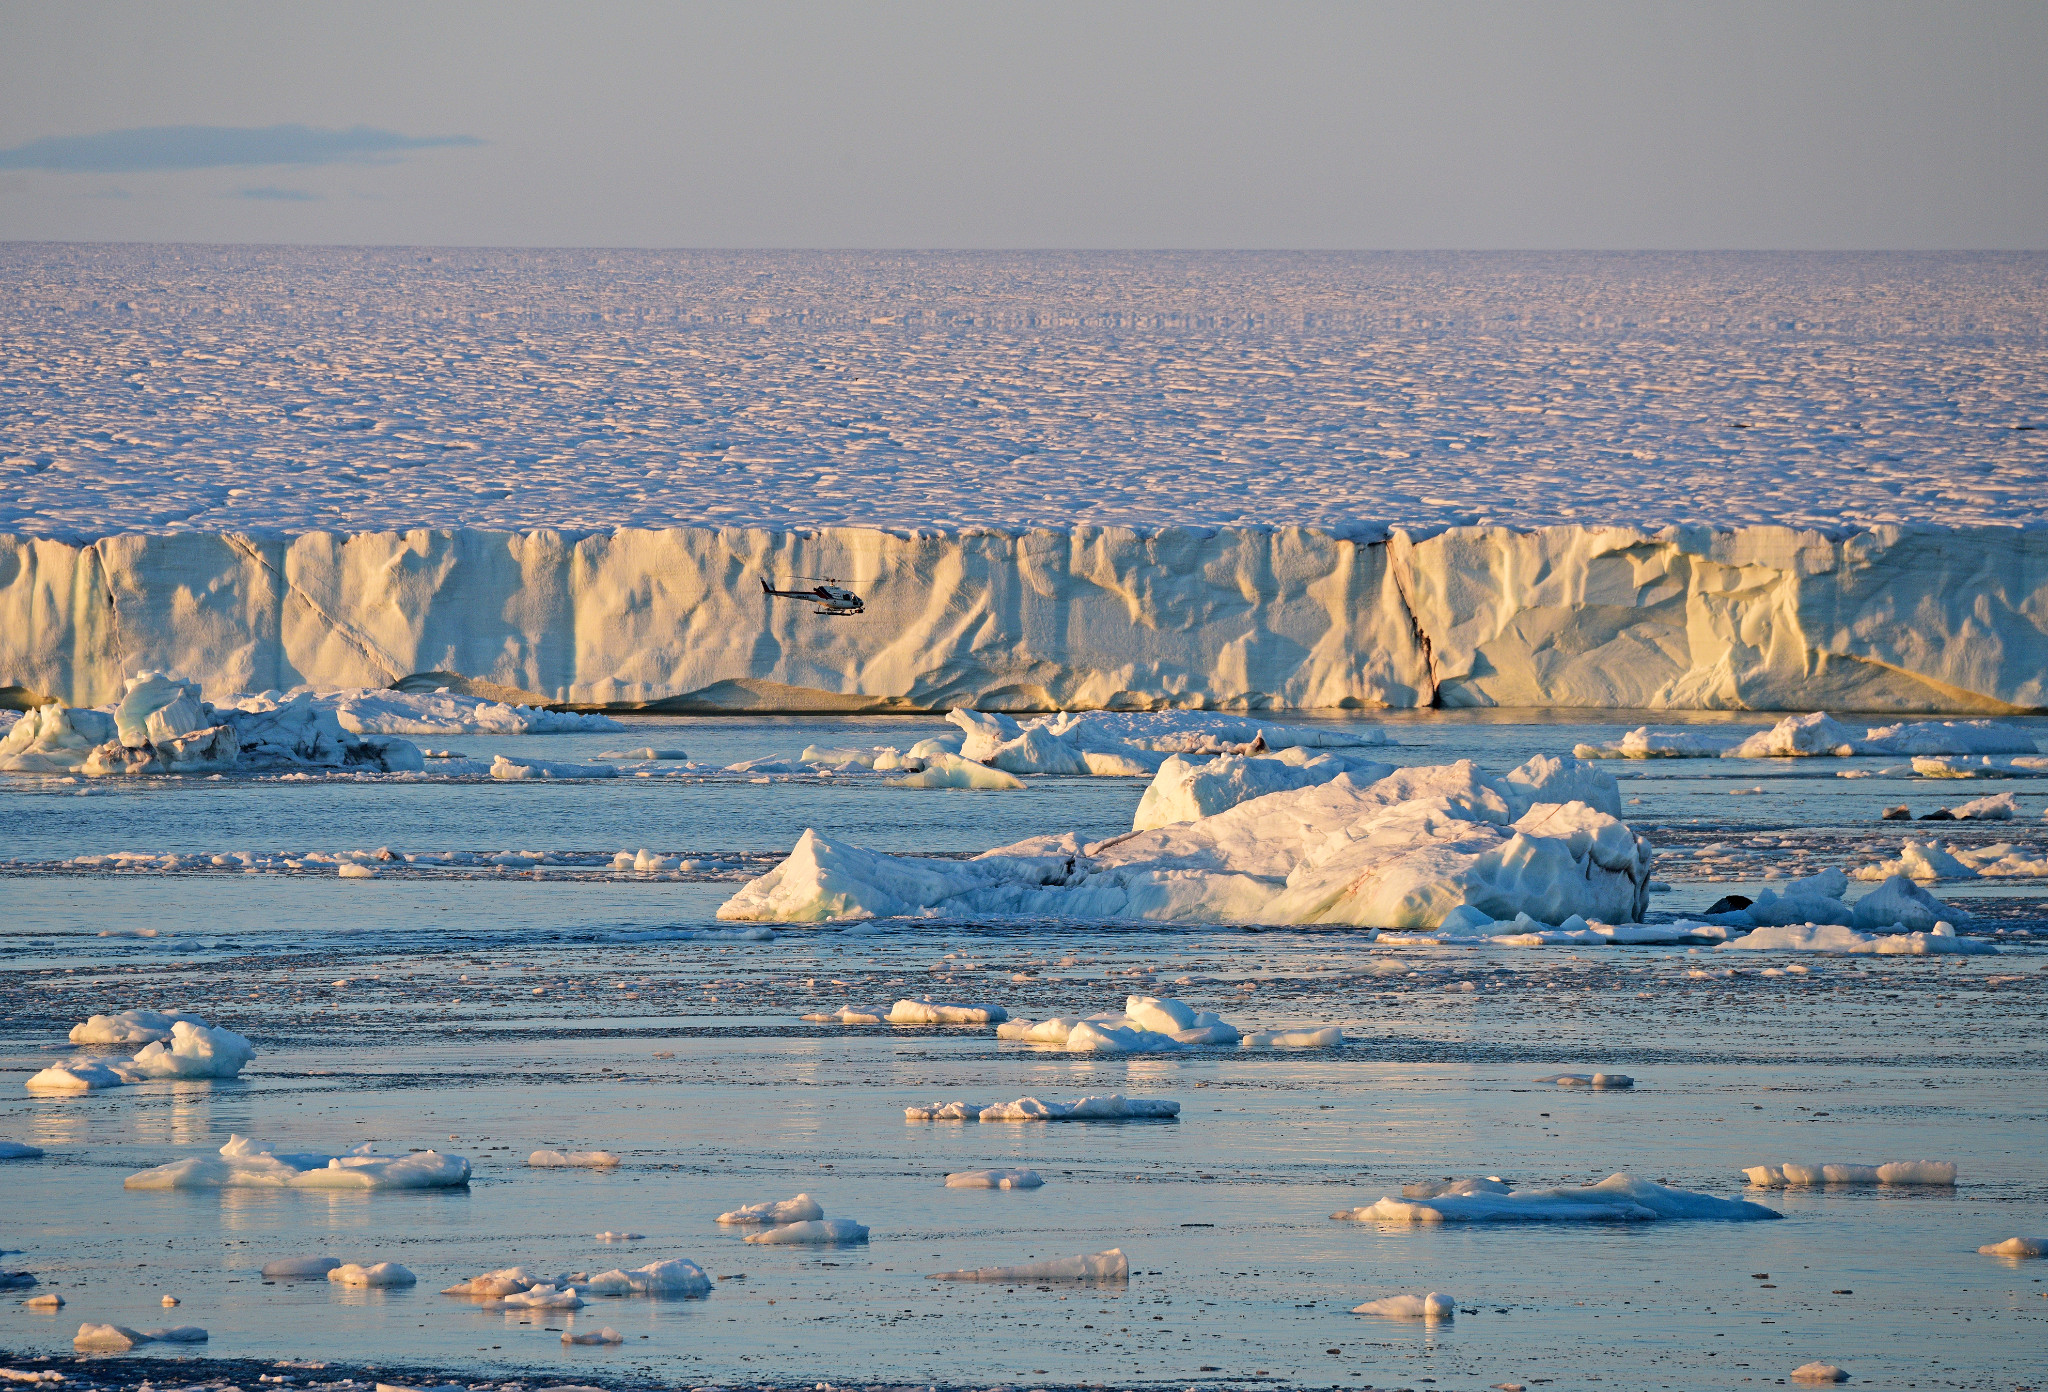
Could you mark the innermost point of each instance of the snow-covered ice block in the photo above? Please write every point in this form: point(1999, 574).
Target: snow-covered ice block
point(952, 771)
point(19, 1150)
point(817, 1232)
point(1601, 1081)
point(384, 1273)
point(193, 1051)
point(994, 1179)
point(1110, 1108)
point(943, 1111)
point(505, 767)
point(286, 1268)
point(2017, 1247)
point(1922, 1172)
point(1831, 937)
point(573, 1159)
point(1329, 1037)
point(1433, 1306)
point(1109, 1266)
point(606, 1335)
point(931, 1012)
point(244, 1163)
point(1819, 1372)
point(801, 1209)
point(137, 1026)
point(1620, 1198)
point(1998, 807)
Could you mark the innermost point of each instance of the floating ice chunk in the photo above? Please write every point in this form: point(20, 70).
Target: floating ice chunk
point(384, 1273)
point(994, 1179)
point(952, 771)
point(944, 1111)
point(17, 1375)
point(1330, 1037)
point(48, 1300)
point(1999, 807)
point(1949, 737)
point(1161, 1014)
point(846, 1015)
point(55, 739)
point(372, 711)
point(646, 756)
point(130, 1027)
point(1899, 904)
point(1547, 778)
point(573, 1159)
point(2017, 1247)
point(676, 1276)
point(1108, 1266)
point(249, 1164)
point(194, 1051)
point(1110, 1108)
point(1187, 789)
point(1055, 1030)
point(1600, 1081)
point(1103, 1037)
point(1798, 736)
point(1645, 743)
point(1818, 1372)
point(16, 1280)
point(1921, 860)
point(1921, 1172)
point(621, 1236)
point(1433, 1306)
point(1210, 1028)
point(107, 1338)
point(1835, 938)
point(817, 1232)
point(931, 1012)
point(606, 1335)
point(1440, 1188)
point(801, 1209)
point(288, 1267)
point(542, 1297)
point(347, 871)
point(79, 1075)
point(177, 1334)
point(1620, 1198)
point(504, 767)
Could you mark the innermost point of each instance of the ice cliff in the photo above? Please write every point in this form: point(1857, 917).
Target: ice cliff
point(1886, 618)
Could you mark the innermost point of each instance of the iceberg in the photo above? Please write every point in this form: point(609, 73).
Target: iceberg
point(573, 1159)
point(821, 1232)
point(1620, 1198)
point(801, 1209)
point(384, 1273)
point(1108, 1266)
point(994, 1179)
point(2017, 1247)
point(931, 1012)
point(1423, 1307)
point(249, 1164)
point(130, 1027)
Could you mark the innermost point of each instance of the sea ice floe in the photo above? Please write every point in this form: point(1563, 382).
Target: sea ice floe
point(1788, 1175)
point(673, 1277)
point(2017, 1247)
point(606, 1335)
point(1600, 1081)
point(801, 1209)
point(1110, 1108)
point(119, 1338)
point(845, 1015)
point(137, 1026)
point(79, 1075)
point(952, 771)
point(815, 1232)
point(573, 1159)
point(1935, 860)
point(944, 1111)
point(1402, 851)
point(1108, 1266)
point(244, 1163)
point(1819, 1372)
point(620, 1236)
point(374, 711)
point(19, 1150)
point(506, 768)
point(1834, 938)
point(49, 1300)
point(1620, 1198)
point(288, 1267)
point(185, 1049)
point(994, 1179)
point(1148, 1025)
point(1329, 1037)
point(493, 1285)
point(1819, 734)
point(383, 1273)
point(1433, 1306)
point(931, 1012)
point(543, 1297)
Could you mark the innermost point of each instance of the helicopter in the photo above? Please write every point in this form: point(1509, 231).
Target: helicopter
point(832, 601)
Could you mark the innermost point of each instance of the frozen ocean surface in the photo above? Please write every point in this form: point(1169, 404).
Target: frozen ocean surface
point(490, 1010)
point(281, 390)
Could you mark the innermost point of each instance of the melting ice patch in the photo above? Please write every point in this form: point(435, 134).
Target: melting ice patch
point(1110, 1266)
point(190, 1051)
point(994, 1179)
point(250, 1164)
point(573, 1159)
point(1620, 1198)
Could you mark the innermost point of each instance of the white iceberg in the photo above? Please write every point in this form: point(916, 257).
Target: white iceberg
point(249, 1164)
point(816, 1232)
point(1937, 1173)
point(1187, 789)
point(931, 1012)
point(375, 711)
point(79, 1075)
point(541, 1297)
point(193, 1051)
point(845, 1015)
point(1110, 1108)
point(107, 1338)
point(1798, 736)
point(573, 1159)
point(1620, 1198)
point(675, 1276)
point(1998, 807)
point(1819, 1372)
point(505, 768)
point(384, 1273)
point(952, 771)
point(1108, 1266)
point(1900, 905)
point(1329, 1037)
point(137, 1026)
point(1148, 1025)
point(801, 1209)
point(943, 1111)
point(994, 1179)
point(2017, 1247)
point(1105, 1037)
point(1942, 939)
point(1433, 1306)
point(287, 1268)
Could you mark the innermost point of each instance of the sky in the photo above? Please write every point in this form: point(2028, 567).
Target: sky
point(779, 123)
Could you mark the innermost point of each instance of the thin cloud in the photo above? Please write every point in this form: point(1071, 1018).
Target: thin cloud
point(269, 193)
point(153, 148)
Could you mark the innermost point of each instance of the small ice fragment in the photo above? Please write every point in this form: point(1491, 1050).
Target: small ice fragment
point(846, 1015)
point(1818, 1372)
point(801, 1209)
point(1423, 1307)
point(1112, 1265)
point(508, 1280)
point(2017, 1247)
point(826, 1232)
point(299, 1266)
point(573, 1159)
point(930, 1012)
point(606, 1335)
point(172, 1300)
point(621, 1236)
point(1899, 1172)
point(49, 1300)
point(994, 1179)
point(177, 1334)
point(1329, 1038)
point(1591, 1080)
point(17, 1150)
point(348, 870)
point(1620, 1198)
point(944, 1111)
point(107, 1338)
point(383, 1273)
point(541, 1298)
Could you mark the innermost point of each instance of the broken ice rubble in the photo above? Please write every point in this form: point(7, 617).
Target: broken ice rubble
point(1620, 1198)
point(1110, 1266)
point(1401, 851)
point(1939, 1173)
point(249, 1164)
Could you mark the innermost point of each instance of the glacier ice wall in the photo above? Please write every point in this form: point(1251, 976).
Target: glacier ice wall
point(1887, 618)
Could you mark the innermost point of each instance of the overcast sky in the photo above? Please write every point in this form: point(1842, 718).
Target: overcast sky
point(768, 124)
